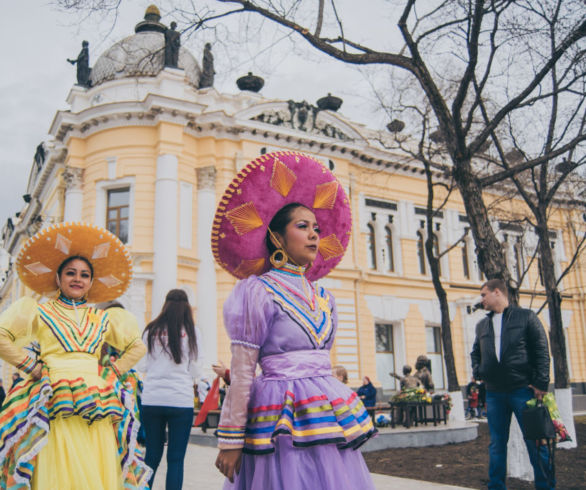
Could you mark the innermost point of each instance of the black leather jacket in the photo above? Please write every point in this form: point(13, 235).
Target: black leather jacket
point(524, 358)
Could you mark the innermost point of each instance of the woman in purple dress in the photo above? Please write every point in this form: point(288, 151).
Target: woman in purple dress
point(283, 223)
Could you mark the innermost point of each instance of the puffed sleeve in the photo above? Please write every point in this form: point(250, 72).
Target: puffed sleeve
point(248, 313)
point(123, 334)
point(18, 327)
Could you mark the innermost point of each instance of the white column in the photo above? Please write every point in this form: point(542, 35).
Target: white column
point(134, 297)
point(73, 178)
point(165, 231)
point(206, 275)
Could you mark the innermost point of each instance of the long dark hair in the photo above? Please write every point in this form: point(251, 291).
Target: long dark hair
point(174, 317)
point(280, 222)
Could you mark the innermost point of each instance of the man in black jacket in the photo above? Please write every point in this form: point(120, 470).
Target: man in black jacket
point(510, 354)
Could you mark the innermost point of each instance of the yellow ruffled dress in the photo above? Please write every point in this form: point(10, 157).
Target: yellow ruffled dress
point(70, 429)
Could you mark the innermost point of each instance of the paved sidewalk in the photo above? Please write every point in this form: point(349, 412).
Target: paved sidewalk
point(201, 474)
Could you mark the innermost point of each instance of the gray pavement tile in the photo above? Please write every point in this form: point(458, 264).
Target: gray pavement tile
point(201, 474)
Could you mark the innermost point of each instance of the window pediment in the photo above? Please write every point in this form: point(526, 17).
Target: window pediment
point(302, 116)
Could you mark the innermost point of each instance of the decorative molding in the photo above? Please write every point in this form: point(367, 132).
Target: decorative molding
point(301, 116)
point(206, 178)
point(73, 178)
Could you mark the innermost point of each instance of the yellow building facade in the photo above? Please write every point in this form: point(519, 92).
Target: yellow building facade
point(146, 153)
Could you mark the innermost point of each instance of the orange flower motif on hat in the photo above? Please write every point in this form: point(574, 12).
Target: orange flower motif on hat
point(330, 247)
point(40, 257)
point(248, 267)
point(244, 218)
point(282, 178)
point(255, 195)
point(325, 195)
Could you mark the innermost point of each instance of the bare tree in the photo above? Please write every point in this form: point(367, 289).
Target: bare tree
point(431, 156)
point(480, 37)
point(554, 138)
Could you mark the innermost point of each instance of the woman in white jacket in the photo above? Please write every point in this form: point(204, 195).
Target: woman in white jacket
point(167, 399)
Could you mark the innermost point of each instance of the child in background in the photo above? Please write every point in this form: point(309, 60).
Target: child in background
point(473, 402)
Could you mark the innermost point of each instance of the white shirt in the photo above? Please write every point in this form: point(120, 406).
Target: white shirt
point(497, 325)
point(166, 383)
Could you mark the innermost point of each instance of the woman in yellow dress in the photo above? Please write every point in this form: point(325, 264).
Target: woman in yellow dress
point(64, 427)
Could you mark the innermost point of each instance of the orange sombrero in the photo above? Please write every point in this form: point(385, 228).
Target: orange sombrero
point(41, 255)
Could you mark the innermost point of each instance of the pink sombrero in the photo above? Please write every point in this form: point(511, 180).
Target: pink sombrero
point(263, 187)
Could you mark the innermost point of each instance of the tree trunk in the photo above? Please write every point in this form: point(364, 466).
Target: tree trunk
point(448, 348)
point(557, 339)
point(434, 266)
point(491, 259)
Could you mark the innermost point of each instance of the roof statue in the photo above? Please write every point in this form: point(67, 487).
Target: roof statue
point(83, 65)
point(208, 72)
point(172, 45)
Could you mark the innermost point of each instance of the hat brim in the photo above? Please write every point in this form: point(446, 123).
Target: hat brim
point(263, 187)
point(43, 253)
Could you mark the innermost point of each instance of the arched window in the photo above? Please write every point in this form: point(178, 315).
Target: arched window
point(421, 252)
point(390, 255)
point(519, 262)
point(371, 248)
point(506, 249)
point(465, 264)
point(436, 253)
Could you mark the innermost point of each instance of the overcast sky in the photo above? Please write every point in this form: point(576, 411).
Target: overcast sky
point(36, 39)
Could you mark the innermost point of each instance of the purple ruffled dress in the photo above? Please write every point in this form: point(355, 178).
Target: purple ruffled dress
point(299, 427)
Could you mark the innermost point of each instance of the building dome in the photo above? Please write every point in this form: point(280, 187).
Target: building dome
point(142, 55)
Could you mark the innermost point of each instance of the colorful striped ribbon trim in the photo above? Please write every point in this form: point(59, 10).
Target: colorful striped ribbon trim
point(311, 421)
point(24, 425)
point(27, 365)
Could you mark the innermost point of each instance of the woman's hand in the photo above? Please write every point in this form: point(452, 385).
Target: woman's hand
point(37, 372)
point(228, 462)
point(219, 369)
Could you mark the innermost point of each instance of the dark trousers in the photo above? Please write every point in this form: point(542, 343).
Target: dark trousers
point(178, 421)
point(500, 407)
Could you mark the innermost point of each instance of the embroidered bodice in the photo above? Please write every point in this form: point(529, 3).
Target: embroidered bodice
point(281, 311)
point(76, 326)
point(305, 305)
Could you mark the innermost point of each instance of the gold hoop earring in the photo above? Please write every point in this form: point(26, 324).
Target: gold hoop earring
point(278, 263)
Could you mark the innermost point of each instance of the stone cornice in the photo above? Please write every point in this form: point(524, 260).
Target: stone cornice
point(148, 112)
point(234, 118)
point(55, 156)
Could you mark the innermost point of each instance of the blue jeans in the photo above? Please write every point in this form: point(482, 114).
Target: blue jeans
point(179, 420)
point(500, 407)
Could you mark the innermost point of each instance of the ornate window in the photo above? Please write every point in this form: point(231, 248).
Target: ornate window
point(540, 271)
point(389, 249)
point(421, 252)
point(465, 263)
point(433, 338)
point(436, 253)
point(519, 260)
point(371, 247)
point(385, 354)
point(117, 212)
